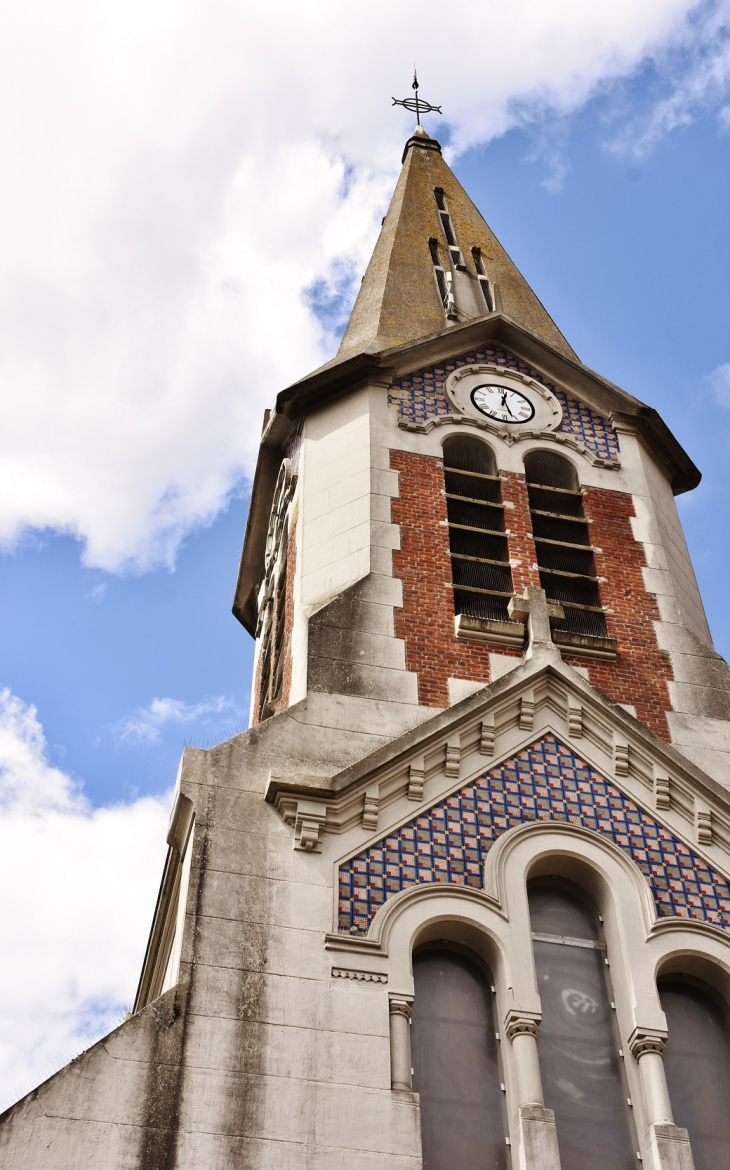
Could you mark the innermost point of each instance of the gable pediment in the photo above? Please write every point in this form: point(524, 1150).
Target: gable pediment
point(628, 785)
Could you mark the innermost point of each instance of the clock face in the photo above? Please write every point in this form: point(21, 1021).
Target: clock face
point(503, 404)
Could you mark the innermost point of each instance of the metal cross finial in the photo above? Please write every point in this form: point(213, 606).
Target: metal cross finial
point(416, 104)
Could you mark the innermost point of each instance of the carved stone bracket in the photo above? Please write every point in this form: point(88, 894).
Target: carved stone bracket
point(527, 712)
point(452, 766)
point(703, 821)
point(620, 756)
point(370, 809)
point(486, 739)
point(308, 818)
point(662, 798)
point(644, 1040)
point(575, 719)
point(416, 779)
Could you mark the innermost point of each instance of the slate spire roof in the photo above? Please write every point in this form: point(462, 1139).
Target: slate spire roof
point(399, 299)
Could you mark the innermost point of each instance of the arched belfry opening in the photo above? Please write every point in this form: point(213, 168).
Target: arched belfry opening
point(481, 573)
point(563, 542)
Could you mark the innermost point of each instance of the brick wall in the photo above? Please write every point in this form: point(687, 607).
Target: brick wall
point(642, 671)
point(426, 622)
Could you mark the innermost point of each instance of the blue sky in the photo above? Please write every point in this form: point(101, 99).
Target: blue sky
point(180, 248)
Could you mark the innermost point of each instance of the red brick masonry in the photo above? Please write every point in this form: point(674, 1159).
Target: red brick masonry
point(426, 622)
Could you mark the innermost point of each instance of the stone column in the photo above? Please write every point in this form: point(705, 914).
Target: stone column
point(669, 1143)
point(538, 1137)
point(400, 1044)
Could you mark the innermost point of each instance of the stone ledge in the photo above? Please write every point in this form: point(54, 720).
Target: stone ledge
point(475, 629)
point(586, 645)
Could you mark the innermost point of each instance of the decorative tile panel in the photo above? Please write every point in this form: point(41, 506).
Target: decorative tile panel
point(546, 782)
point(421, 396)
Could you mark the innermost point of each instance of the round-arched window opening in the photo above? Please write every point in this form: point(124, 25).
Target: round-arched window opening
point(578, 1045)
point(563, 543)
point(480, 567)
point(697, 1066)
point(551, 470)
point(465, 453)
point(456, 1062)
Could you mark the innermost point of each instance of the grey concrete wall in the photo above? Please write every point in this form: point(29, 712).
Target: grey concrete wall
point(257, 1057)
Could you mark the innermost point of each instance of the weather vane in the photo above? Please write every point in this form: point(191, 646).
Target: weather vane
point(416, 104)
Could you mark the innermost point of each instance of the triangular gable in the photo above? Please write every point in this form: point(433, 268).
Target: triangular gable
point(449, 842)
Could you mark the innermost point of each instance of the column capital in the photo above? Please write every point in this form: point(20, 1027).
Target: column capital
point(517, 1023)
point(644, 1040)
point(400, 1005)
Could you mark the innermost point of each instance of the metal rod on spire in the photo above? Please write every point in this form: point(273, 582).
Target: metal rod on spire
point(417, 104)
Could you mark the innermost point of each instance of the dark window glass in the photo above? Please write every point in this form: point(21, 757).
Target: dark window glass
point(697, 1063)
point(478, 262)
point(581, 1070)
point(440, 201)
point(455, 1064)
point(448, 229)
point(434, 250)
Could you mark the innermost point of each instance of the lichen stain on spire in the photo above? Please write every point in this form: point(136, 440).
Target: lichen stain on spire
point(399, 301)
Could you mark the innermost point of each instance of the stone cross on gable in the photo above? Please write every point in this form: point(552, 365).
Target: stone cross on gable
point(539, 615)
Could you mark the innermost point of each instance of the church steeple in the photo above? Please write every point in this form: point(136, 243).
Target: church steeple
point(437, 264)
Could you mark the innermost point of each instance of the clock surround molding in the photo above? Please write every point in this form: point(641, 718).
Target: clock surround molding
point(460, 385)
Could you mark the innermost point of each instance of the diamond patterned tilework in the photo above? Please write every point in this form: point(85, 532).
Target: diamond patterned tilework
point(546, 782)
point(421, 396)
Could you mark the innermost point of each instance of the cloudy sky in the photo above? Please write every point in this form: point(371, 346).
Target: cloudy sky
point(190, 194)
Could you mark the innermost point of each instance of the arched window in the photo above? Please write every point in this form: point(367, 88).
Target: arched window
point(455, 1063)
point(697, 1064)
point(479, 558)
point(563, 543)
point(577, 1042)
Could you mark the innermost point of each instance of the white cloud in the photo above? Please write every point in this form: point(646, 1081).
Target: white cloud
point(695, 71)
point(79, 887)
point(719, 380)
point(144, 725)
point(176, 176)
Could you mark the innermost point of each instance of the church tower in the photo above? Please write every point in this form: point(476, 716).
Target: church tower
point(460, 896)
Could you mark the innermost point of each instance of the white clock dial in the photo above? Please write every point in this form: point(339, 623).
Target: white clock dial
point(503, 404)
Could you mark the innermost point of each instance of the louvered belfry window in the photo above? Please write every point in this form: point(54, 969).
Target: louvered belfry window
point(478, 543)
point(563, 543)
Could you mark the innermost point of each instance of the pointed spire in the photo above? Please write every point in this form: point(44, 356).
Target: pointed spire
point(437, 264)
